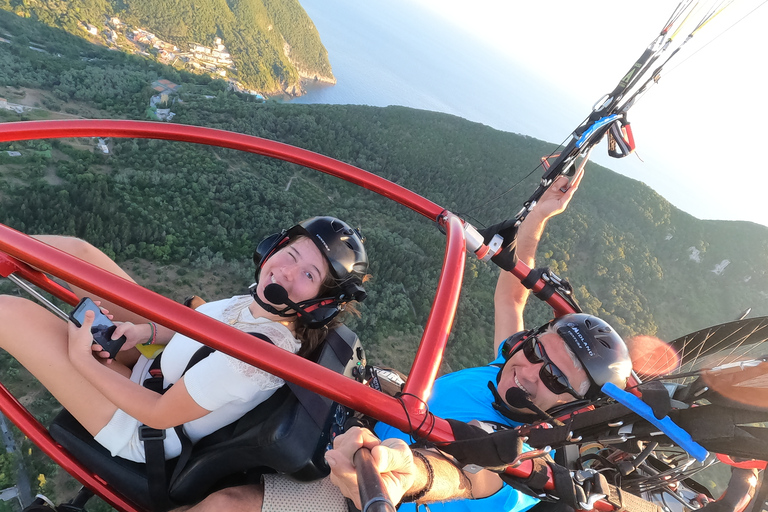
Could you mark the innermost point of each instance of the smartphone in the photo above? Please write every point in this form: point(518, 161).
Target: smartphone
point(101, 329)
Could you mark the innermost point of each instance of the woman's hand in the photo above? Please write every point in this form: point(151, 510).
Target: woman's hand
point(81, 340)
point(134, 334)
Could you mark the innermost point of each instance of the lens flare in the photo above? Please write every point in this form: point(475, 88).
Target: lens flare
point(652, 357)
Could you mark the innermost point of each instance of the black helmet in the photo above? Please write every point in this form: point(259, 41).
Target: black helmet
point(599, 348)
point(342, 247)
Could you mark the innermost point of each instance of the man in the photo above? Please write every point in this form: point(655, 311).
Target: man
point(548, 368)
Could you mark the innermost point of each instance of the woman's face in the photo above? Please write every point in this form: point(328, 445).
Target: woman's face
point(299, 267)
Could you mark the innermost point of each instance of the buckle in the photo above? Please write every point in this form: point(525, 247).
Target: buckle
point(150, 434)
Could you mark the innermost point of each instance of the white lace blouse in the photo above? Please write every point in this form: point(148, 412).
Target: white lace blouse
point(220, 383)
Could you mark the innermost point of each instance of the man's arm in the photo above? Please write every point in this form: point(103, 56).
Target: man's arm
point(407, 475)
point(510, 296)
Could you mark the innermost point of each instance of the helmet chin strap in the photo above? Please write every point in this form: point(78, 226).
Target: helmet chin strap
point(284, 313)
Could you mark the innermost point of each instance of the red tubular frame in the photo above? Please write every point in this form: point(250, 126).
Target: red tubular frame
point(408, 415)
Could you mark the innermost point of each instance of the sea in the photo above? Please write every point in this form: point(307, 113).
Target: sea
point(395, 52)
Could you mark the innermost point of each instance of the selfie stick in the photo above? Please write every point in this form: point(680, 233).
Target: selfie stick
point(50, 305)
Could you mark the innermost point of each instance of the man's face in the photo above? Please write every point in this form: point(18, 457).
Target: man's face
point(519, 372)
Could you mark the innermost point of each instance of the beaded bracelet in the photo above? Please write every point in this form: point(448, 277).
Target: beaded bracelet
point(430, 479)
point(153, 326)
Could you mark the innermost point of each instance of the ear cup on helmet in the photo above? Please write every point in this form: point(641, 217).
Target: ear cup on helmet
point(512, 343)
point(265, 249)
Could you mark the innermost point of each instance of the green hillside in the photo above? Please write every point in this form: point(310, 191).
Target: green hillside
point(273, 42)
point(185, 218)
point(626, 250)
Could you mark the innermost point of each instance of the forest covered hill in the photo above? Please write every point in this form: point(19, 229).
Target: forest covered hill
point(633, 258)
point(273, 42)
point(185, 218)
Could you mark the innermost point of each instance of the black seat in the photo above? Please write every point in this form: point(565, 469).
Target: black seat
point(280, 435)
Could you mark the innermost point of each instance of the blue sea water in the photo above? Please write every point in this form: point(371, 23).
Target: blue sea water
point(393, 52)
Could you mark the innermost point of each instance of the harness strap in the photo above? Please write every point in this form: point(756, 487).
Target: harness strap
point(314, 404)
point(340, 347)
point(154, 445)
point(564, 488)
point(154, 439)
point(533, 485)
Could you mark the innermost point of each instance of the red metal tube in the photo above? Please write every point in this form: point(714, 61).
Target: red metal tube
point(30, 130)
point(238, 344)
point(438, 328)
point(40, 437)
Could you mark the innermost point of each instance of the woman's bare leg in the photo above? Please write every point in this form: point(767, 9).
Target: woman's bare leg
point(87, 252)
point(38, 340)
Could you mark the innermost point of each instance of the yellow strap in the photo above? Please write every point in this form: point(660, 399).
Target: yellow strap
point(150, 351)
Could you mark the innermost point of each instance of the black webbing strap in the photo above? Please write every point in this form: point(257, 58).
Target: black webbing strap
point(533, 277)
point(565, 490)
point(340, 347)
point(154, 455)
point(314, 404)
point(153, 439)
point(534, 484)
point(154, 447)
point(473, 445)
point(186, 443)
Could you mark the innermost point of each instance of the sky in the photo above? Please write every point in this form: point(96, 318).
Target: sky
point(699, 131)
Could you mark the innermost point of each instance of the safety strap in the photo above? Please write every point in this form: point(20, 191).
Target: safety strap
point(313, 403)
point(154, 439)
point(154, 448)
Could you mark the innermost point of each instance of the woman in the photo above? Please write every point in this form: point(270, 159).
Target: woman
point(317, 267)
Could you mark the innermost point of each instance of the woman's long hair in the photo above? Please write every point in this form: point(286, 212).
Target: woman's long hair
point(312, 338)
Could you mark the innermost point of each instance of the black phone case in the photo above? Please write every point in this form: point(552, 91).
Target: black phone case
point(104, 338)
point(101, 337)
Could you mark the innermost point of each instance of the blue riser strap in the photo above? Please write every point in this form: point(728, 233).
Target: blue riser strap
point(666, 425)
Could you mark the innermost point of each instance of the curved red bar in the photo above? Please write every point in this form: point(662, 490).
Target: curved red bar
point(239, 344)
point(30, 130)
point(209, 331)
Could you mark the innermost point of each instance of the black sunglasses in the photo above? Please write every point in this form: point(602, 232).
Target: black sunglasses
point(552, 377)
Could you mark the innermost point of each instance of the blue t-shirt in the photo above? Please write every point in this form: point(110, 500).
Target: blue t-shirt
point(464, 396)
